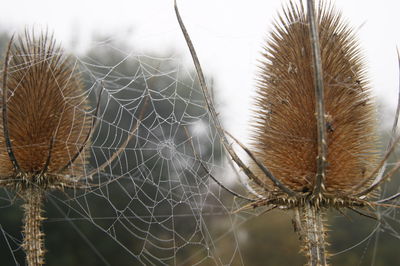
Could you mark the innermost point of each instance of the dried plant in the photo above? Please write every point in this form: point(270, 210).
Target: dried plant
point(315, 144)
point(46, 127)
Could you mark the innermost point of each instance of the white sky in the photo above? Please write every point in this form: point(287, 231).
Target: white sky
point(228, 35)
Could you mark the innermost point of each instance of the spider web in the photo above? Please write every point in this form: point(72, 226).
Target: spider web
point(155, 204)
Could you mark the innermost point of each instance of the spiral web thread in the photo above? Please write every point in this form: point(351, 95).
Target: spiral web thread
point(154, 204)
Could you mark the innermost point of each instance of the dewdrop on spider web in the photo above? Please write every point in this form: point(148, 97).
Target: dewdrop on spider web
point(46, 127)
point(315, 142)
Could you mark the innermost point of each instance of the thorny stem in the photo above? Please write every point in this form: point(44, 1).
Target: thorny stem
point(33, 242)
point(309, 225)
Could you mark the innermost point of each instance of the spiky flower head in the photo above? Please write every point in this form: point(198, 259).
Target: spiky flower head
point(46, 109)
point(285, 123)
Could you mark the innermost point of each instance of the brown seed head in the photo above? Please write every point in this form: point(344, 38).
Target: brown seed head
point(285, 122)
point(45, 98)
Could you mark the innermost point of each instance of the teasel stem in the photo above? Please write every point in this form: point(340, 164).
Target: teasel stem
point(33, 242)
point(309, 224)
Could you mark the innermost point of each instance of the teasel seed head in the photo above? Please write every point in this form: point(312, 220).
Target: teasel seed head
point(47, 110)
point(284, 123)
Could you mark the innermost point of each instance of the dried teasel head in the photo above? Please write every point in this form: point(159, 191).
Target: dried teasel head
point(314, 129)
point(45, 128)
point(285, 128)
point(46, 112)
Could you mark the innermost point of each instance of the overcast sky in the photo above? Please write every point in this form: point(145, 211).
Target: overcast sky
point(228, 35)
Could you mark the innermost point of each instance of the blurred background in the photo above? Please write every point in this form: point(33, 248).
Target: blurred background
point(228, 36)
point(136, 48)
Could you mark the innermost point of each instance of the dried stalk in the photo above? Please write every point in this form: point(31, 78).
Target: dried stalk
point(309, 224)
point(33, 243)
